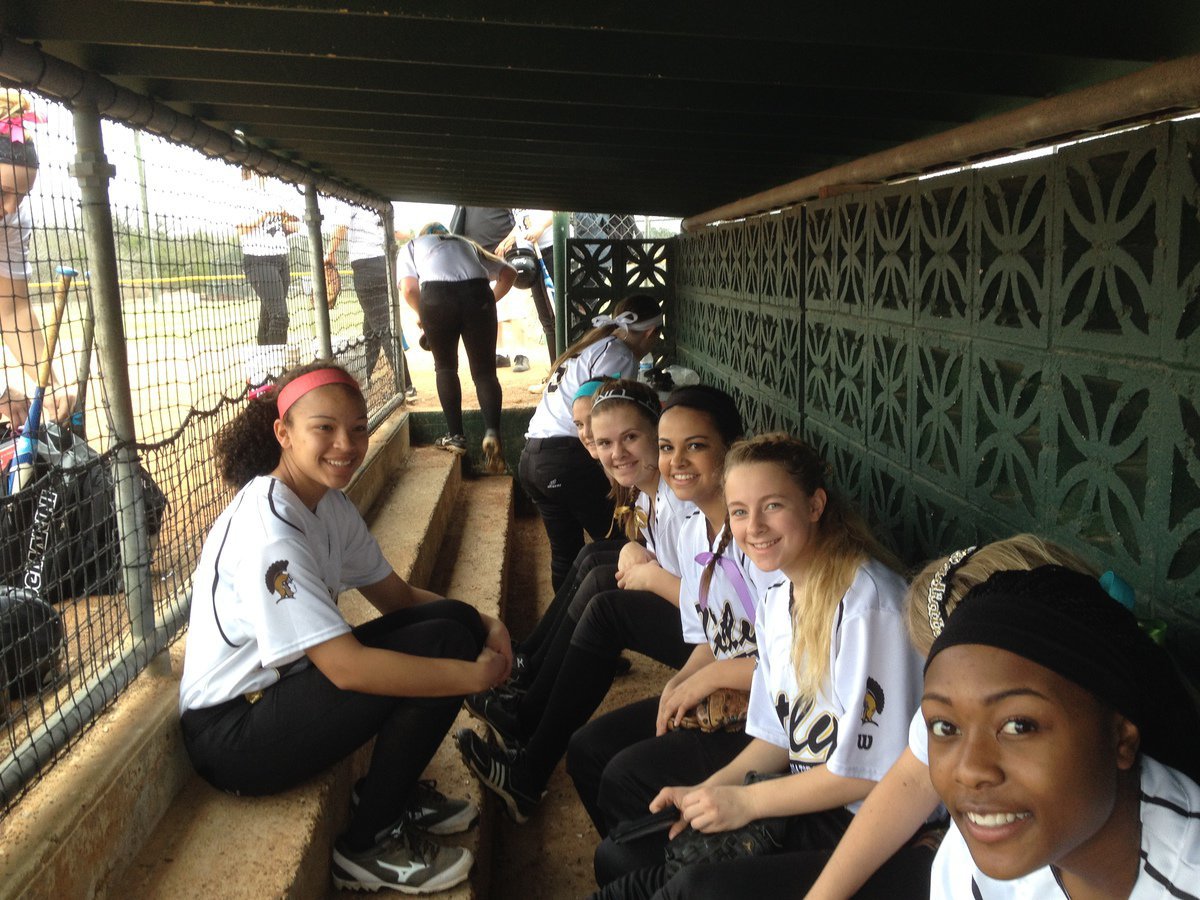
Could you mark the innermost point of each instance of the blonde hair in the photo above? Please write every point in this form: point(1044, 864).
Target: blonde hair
point(843, 542)
point(643, 306)
point(1021, 552)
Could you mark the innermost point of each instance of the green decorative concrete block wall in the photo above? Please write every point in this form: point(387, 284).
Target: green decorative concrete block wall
point(1012, 348)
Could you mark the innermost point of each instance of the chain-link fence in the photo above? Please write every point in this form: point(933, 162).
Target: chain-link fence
point(217, 285)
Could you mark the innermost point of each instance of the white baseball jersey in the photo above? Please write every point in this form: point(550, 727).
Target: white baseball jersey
point(266, 588)
point(530, 218)
point(610, 356)
point(662, 537)
point(858, 724)
point(15, 261)
point(364, 235)
point(1170, 850)
point(725, 618)
point(269, 238)
point(447, 257)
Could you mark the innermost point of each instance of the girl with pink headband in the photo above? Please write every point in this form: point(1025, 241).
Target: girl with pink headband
point(277, 686)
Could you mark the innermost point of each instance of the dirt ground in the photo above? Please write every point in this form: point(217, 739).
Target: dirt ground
point(550, 856)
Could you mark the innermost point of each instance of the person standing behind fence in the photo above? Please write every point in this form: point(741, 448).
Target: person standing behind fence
point(278, 687)
point(445, 279)
point(365, 239)
point(566, 485)
point(534, 229)
point(265, 262)
point(19, 324)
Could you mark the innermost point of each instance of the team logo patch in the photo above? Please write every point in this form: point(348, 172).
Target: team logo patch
point(279, 582)
point(872, 702)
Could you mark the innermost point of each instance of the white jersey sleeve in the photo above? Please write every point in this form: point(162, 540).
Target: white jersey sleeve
point(666, 524)
point(858, 724)
point(918, 737)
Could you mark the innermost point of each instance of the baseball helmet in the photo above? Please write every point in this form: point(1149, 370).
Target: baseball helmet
point(523, 260)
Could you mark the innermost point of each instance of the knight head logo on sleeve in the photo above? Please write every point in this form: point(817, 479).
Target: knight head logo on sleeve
point(872, 702)
point(279, 582)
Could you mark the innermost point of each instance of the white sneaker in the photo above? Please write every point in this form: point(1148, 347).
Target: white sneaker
point(402, 861)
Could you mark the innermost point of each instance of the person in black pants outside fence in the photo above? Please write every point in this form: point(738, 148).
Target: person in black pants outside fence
point(445, 279)
point(277, 686)
point(365, 249)
point(265, 262)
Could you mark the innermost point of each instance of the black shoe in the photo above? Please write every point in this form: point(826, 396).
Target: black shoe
point(502, 361)
point(455, 443)
point(496, 710)
point(430, 810)
point(501, 772)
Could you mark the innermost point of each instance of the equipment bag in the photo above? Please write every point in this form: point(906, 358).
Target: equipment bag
point(68, 511)
point(31, 643)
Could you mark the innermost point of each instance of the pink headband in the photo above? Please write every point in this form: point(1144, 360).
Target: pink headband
point(298, 387)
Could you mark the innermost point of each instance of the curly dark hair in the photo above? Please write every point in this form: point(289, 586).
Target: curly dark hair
point(246, 447)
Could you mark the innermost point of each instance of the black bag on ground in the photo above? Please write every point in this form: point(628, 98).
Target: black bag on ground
point(82, 553)
point(31, 642)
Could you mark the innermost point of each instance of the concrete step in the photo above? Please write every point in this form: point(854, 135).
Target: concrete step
point(472, 566)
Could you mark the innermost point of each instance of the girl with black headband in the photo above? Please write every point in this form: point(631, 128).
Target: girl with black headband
point(1064, 746)
point(889, 841)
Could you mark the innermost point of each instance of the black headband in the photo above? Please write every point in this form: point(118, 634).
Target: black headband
point(1065, 622)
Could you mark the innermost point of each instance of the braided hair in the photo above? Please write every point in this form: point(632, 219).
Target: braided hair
point(842, 543)
point(246, 447)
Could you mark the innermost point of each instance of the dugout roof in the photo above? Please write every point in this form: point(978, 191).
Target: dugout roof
point(667, 108)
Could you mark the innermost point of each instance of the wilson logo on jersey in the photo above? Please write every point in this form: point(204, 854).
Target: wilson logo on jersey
point(279, 582)
point(729, 636)
point(812, 734)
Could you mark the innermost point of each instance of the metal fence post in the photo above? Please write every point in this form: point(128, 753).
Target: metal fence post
point(92, 170)
point(561, 267)
point(312, 216)
point(388, 216)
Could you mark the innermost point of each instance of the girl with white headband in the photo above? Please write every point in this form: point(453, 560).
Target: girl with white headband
point(277, 686)
point(566, 485)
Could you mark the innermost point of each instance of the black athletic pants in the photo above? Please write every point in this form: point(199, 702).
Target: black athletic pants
point(808, 842)
point(619, 766)
point(303, 724)
point(570, 492)
point(598, 554)
point(270, 277)
point(613, 621)
point(467, 309)
point(371, 288)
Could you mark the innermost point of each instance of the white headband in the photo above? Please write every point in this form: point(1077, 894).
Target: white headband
point(627, 321)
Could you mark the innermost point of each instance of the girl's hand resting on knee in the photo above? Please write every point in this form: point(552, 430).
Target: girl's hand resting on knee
point(679, 699)
point(493, 669)
point(639, 577)
point(717, 808)
point(498, 640)
point(633, 554)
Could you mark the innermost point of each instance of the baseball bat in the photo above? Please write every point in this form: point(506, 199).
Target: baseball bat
point(546, 278)
point(22, 465)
